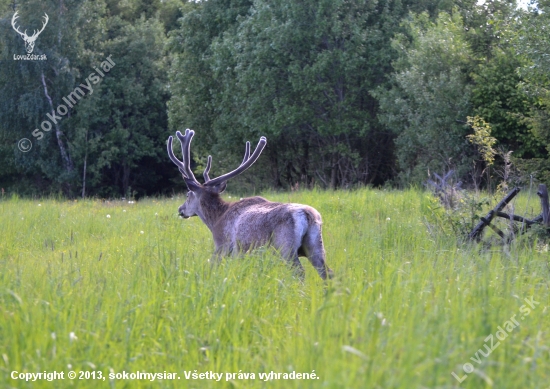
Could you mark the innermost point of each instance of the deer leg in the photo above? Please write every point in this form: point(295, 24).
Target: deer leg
point(290, 254)
point(215, 259)
point(297, 266)
point(313, 247)
point(220, 252)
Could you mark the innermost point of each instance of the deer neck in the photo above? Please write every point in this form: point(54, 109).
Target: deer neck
point(211, 209)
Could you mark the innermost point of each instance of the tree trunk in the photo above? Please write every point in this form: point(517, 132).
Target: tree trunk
point(65, 157)
point(126, 179)
point(274, 165)
point(333, 172)
point(84, 170)
point(543, 194)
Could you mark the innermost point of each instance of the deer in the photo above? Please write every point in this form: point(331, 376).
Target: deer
point(29, 40)
point(237, 227)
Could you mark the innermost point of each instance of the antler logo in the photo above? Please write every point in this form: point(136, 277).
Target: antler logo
point(29, 40)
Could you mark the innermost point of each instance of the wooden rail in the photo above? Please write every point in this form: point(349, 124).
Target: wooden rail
point(543, 218)
point(485, 221)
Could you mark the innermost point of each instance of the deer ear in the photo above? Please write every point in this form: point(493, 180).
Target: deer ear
point(193, 186)
point(219, 188)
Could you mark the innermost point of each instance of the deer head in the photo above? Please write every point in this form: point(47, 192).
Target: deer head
point(29, 40)
point(215, 186)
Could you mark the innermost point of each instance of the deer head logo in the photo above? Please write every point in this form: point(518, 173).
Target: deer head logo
point(29, 40)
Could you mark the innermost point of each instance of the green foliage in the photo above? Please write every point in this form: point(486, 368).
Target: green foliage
point(340, 104)
point(536, 168)
point(301, 73)
point(430, 98)
point(298, 76)
point(192, 80)
point(123, 144)
point(539, 236)
point(151, 301)
point(482, 139)
point(532, 44)
point(498, 99)
point(471, 53)
point(459, 220)
point(113, 138)
point(487, 25)
point(191, 77)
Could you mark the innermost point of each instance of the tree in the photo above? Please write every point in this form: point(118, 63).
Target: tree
point(297, 72)
point(532, 43)
point(498, 99)
point(111, 138)
point(120, 130)
point(191, 79)
point(428, 105)
point(29, 90)
point(300, 73)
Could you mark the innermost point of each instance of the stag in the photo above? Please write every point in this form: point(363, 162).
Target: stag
point(293, 229)
point(29, 40)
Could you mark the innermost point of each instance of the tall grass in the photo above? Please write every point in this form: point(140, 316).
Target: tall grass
point(114, 286)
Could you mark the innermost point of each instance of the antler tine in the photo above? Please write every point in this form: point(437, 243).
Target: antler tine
point(207, 170)
point(246, 152)
point(174, 159)
point(247, 162)
point(185, 141)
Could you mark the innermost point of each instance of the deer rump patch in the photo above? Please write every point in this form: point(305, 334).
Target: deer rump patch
point(281, 225)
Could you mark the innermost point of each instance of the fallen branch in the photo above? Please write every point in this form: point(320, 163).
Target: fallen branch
point(485, 221)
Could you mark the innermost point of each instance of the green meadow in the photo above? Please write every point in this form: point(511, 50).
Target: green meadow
point(106, 288)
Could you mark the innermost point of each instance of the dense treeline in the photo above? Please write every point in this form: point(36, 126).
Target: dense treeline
point(347, 92)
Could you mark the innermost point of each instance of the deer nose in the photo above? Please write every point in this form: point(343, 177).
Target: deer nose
point(180, 211)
